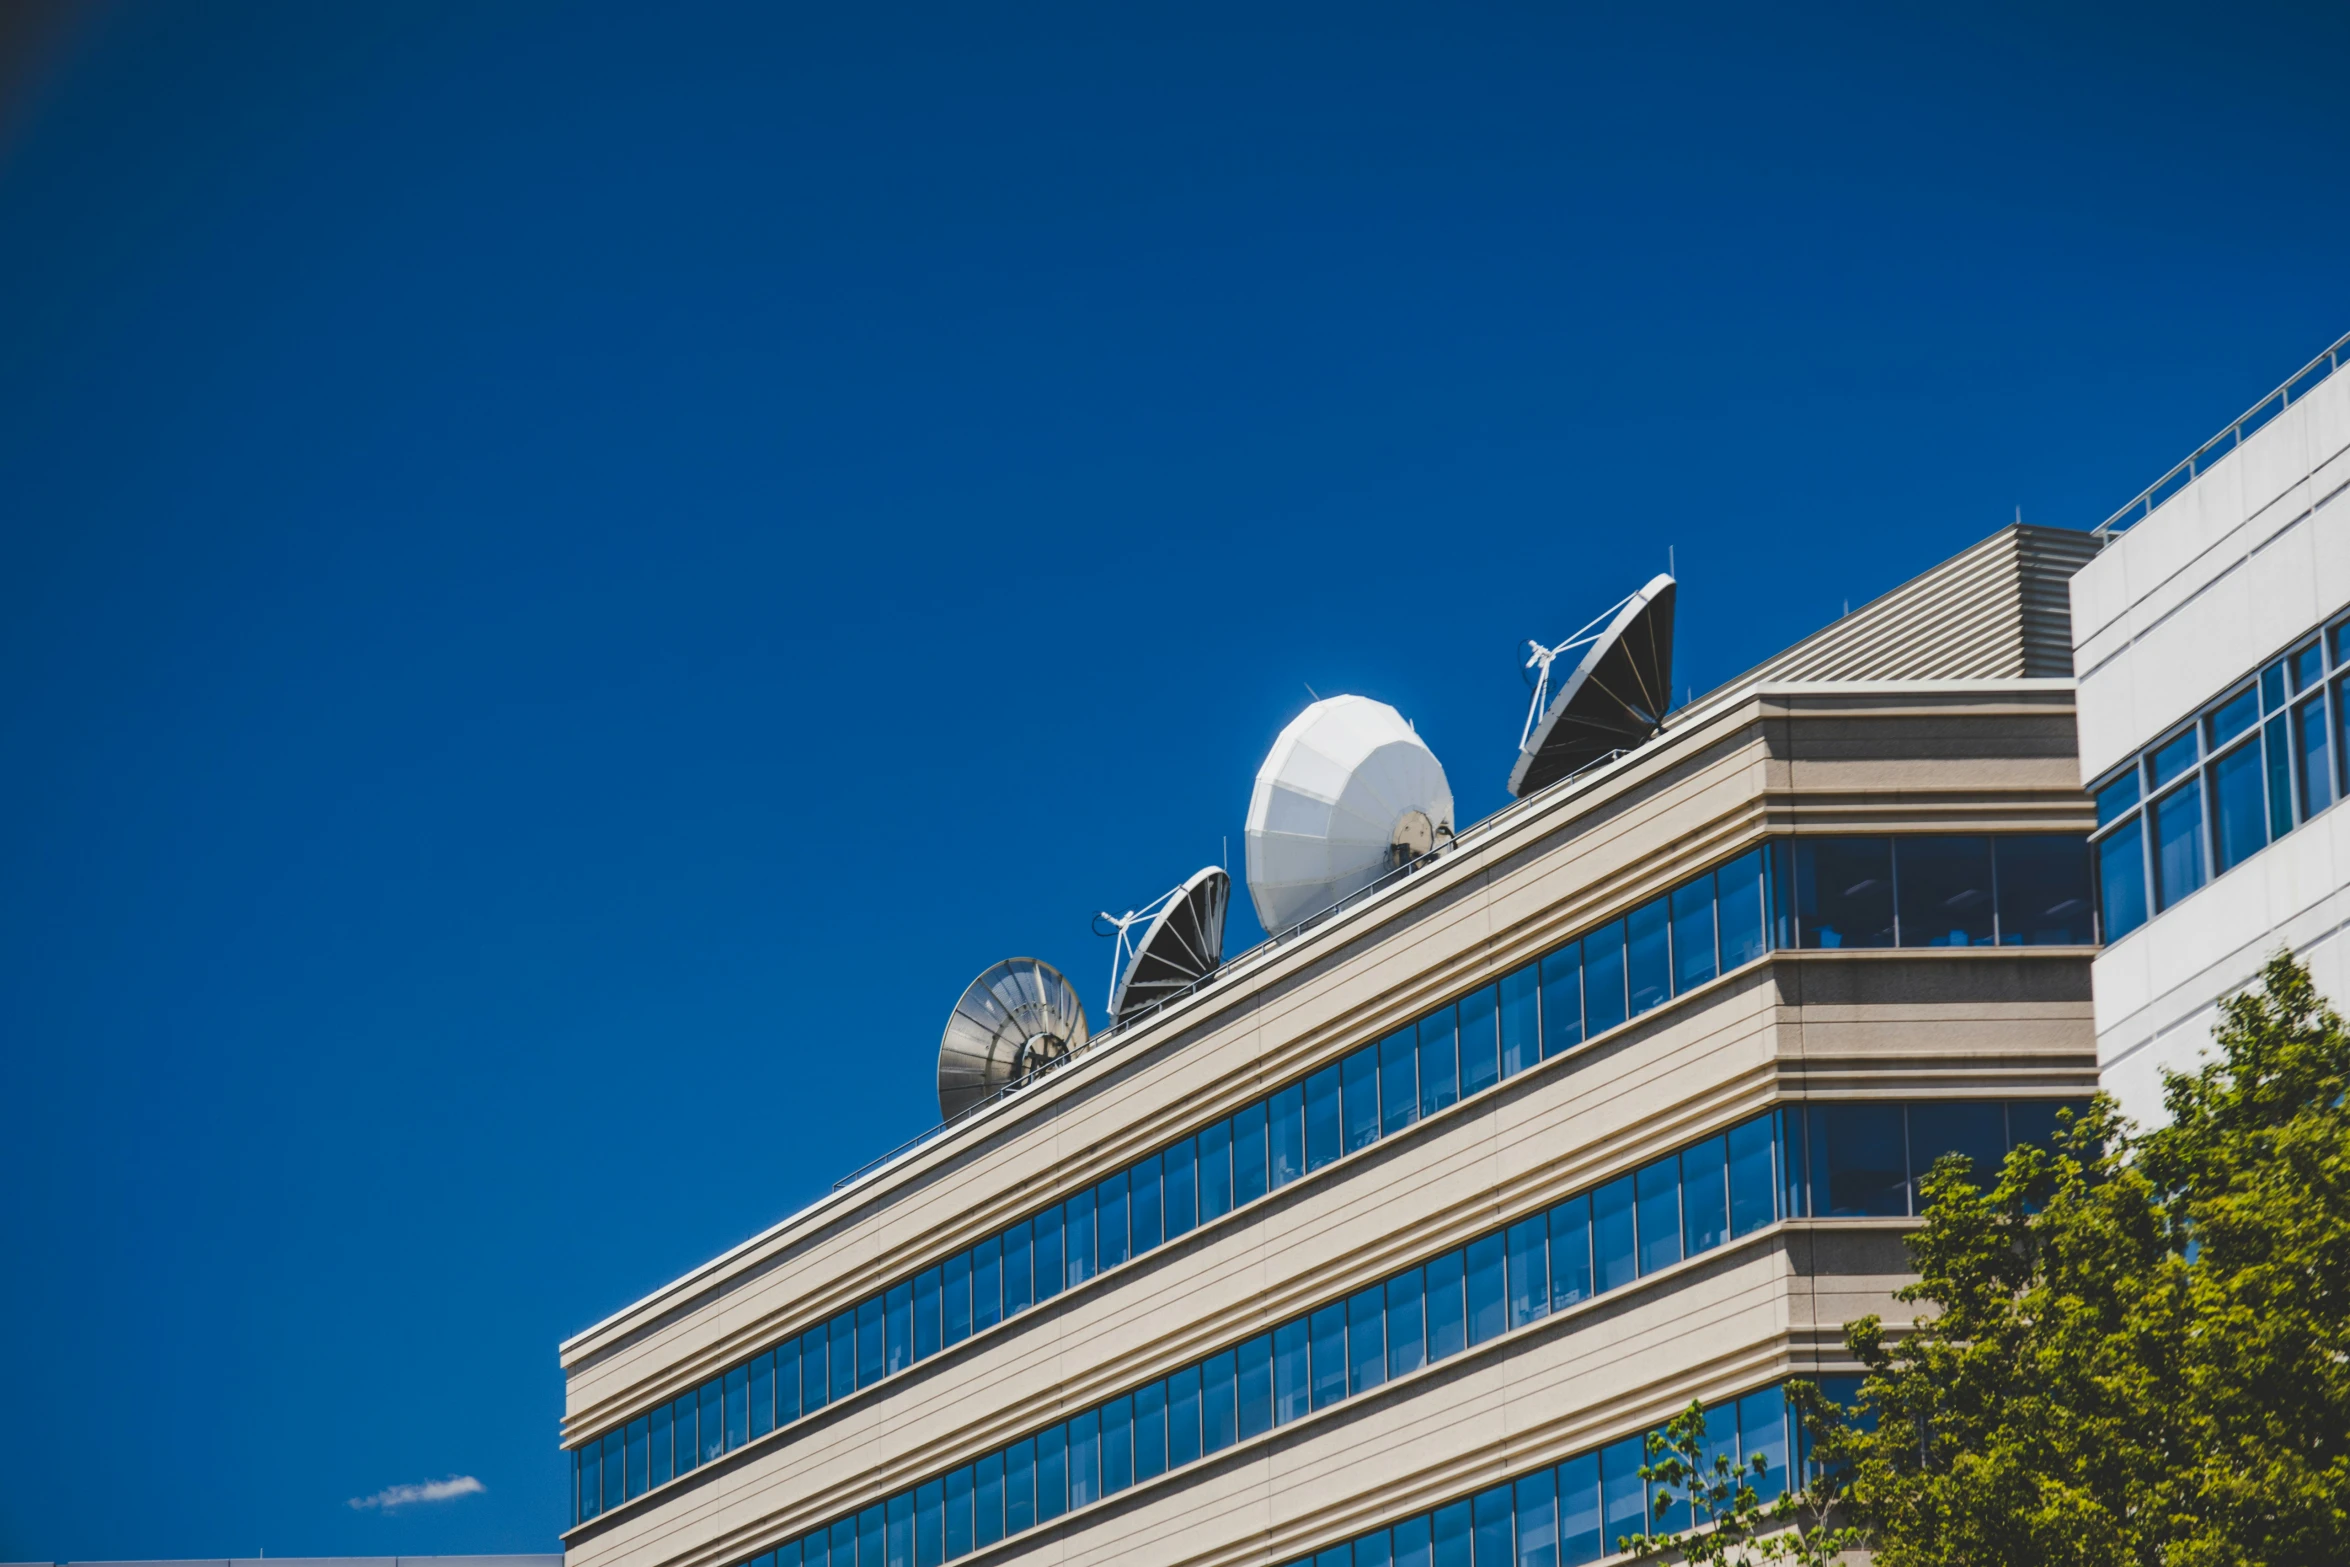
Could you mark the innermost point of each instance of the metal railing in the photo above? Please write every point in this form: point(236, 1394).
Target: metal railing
point(2296, 387)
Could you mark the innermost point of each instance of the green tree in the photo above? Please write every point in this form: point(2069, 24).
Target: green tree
point(2139, 1347)
point(1730, 1523)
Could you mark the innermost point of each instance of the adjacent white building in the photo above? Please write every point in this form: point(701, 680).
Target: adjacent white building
point(2211, 638)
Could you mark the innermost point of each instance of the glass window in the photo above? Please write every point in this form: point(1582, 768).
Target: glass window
point(1218, 1403)
point(713, 1423)
point(1570, 1252)
point(1286, 1133)
point(1077, 1240)
point(613, 1461)
point(1251, 1153)
point(1521, 1019)
point(2117, 797)
point(2178, 845)
point(1052, 1472)
point(2278, 757)
point(898, 1328)
point(929, 1511)
point(1537, 1517)
point(1366, 1339)
point(763, 1394)
point(1794, 1169)
point(1112, 1230)
point(660, 1468)
point(738, 1407)
point(1488, 1305)
point(2231, 718)
point(955, 1298)
point(1412, 1543)
point(1328, 1330)
point(2168, 761)
point(1399, 1087)
point(1439, 1061)
point(1323, 1123)
point(1480, 1048)
point(1603, 978)
point(1529, 1270)
point(1448, 1332)
point(1491, 1511)
point(987, 1283)
point(1844, 892)
point(900, 1530)
point(2121, 878)
point(1693, 933)
point(1150, 1430)
point(1045, 1252)
point(1450, 1527)
point(1179, 1188)
point(590, 1460)
point(1562, 999)
point(1358, 1080)
point(1976, 1129)
point(1858, 1165)
point(1085, 1457)
point(1945, 887)
point(638, 1480)
point(1215, 1170)
point(844, 1355)
point(1705, 1195)
point(2313, 774)
point(1373, 1550)
point(1019, 1487)
point(1292, 1381)
point(815, 1383)
point(959, 1486)
point(2239, 806)
point(2043, 891)
point(871, 1527)
point(1625, 1493)
point(1255, 1377)
point(1739, 901)
point(1406, 1333)
point(1660, 1214)
point(1019, 1269)
point(1613, 1252)
point(1183, 1417)
point(1578, 1492)
point(1649, 955)
point(1753, 1182)
point(2307, 666)
point(1762, 1433)
point(926, 1320)
point(687, 1449)
point(844, 1541)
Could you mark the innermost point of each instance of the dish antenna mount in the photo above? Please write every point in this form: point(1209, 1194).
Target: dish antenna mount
point(1016, 1019)
point(1182, 942)
point(1615, 698)
point(1348, 793)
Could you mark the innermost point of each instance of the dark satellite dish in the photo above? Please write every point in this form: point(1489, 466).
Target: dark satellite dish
point(1017, 1018)
point(1616, 698)
point(1182, 943)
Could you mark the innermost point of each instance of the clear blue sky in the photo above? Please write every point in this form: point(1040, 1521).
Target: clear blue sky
point(571, 574)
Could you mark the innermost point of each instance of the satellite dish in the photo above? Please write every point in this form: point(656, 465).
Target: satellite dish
point(1616, 698)
point(1348, 793)
point(1182, 942)
point(1018, 1017)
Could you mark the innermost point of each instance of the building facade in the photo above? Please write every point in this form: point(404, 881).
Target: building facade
point(2210, 643)
point(1387, 1244)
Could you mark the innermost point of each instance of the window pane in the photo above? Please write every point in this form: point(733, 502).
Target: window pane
point(1945, 887)
point(1286, 1133)
point(2166, 762)
point(1117, 1445)
point(2230, 719)
point(1373, 1550)
point(1794, 1171)
point(615, 1450)
point(1537, 1515)
point(1570, 1252)
point(2239, 807)
point(1112, 1229)
point(738, 1407)
point(1448, 1328)
point(1218, 1403)
point(1322, 1118)
point(1358, 1077)
point(871, 1526)
point(1050, 1268)
point(2043, 891)
point(959, 1485)
point(763, 1394)
point(1412, 1542)
point(1936, 1127)
point(844, 1541)
point(987, 1283)
point(2308, 666)
point(658, 1468)
point(1407, 1346)
point(1562, 999)
point(1179, 1188)
point(898, 1330)
point(1215, 1170)
point(926, 1320)
point(1753, 1180)
point(1660, 1214)
point(590, 1460)
point(1327, 1328)
point(1399, 1085)
point(899, 1531)
point(1740, 902)
point(713, 1423)
point(1488, 1307)
point(814, 1383)
point(1529, 1270)
point(843, 1355)
point(1450, 1526)
point(1480, 1046)
point(1150, 1430)
point(2121, 878)
point(1613, 1252)
point(2279, 767)
point(2178, 845)
point(1183, 1417)
point(684, 1421)
point(1603, 979)
point(1251, 1156)
point(1858, 1167)
point(1019, 1488)
point(1626, 1494)
point(1693, 933)
point(1085, 1457)
point(1492, 1514)
point(1705, 1195)
point(1521, 1019)
point(1649, 955)
point(1255, 1377)
point(1844, 892)
point(1439, 1061)
point(1292, 1378)
point(1578, 1503)
point(2313, 773)
point(1019, 1269)
point(1077, 1253)
point(955, 1298)
point(929, 1520)
point(1052, 1472)
point(1366, 1339)
point(2118, 796)
point(1762, 1432)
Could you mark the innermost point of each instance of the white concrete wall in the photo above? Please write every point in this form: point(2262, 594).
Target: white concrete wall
point(2218, 580)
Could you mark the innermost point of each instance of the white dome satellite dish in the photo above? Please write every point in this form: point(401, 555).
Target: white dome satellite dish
point(1015, 1019)
point(1348, 793)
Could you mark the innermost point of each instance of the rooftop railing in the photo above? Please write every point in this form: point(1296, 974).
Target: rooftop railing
point(2296, 387)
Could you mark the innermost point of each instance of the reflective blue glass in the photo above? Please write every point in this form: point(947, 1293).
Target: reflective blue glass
point(1739, 902)
point(614, 1460)
point(2313, 773)
point(954, 1298)
point(1614, 1253)
point(1219, 1408)
point(1413, 1544)
point(1358, 1080)
point(2228, 720)
point(1859, 1167)
point(1019, 1268)
point(1658, 1187)
point(1624, 1493)
point(1077, 1253)
point(898, 1328)
point(1521, 1019)
point(1603, 979)
point(815, 1378)
point(960, 1538)
point(738, 1407)
point(1286, 1134)
point(713, 1422)
point(1215, 1170)
point(898, 1532)
point(1049, 1268)
point(1150, 1430)
point(987, 1283)
point(1694, 957)
point(2121, 878)
point(1293, 1382)
point(2166, 762)
point(1578, 1504)
point(1753, 1177)
point(1705, 1195)
point(927, 1341)
point(1480, 1043)
point(2178, 845)
point(1844, 892)
point(1562, 999)
point(1491, 1529)
point(1488, 1302)
point(2043, 891)
point(2307, 666)
point(588, 1465)
point(1529, 1270)
point(1019, 1489)
point(1085, 1457)
point(1323, 1123)
point(1762, 1433)
point(1254, 1376)
point(763, 1394)
point(2279, 766)
point(1179, 1187)
point(1052, 1473)
point(1117, 1445)
point(930, 1524)
point(1448, 1324)
point(1366, 1339)
point(659, 1467)
point(1250, 1154)
point(843, 1545)
point(2239, 807)
point(1570, 1252)
point(1112, 1233)
point(1945, 883)
point(1406, 1331)
point(1439, 1060)
point(1449, 1527)
point(2117, 797)
point(1974, 1129)
point(1536, 1508)
point(1183, 1417)
point(872, 1523)
point(1327, 1328)
point(1375, 1549)
point(1648, 961)
point(1399, 1080)
point(684, 1420)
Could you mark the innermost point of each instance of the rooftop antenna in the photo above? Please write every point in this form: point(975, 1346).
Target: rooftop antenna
point(1182, 942)
point(1016, 1019)
point(1348, 793)
point(1614, 699)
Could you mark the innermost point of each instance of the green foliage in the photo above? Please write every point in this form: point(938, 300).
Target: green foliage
point(2139, 1351)
point(1730, 1523)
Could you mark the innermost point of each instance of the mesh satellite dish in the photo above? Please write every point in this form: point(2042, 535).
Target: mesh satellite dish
point(1016, 1018)
point(1348, 793)
point(1182, 942)
point(1616, 698)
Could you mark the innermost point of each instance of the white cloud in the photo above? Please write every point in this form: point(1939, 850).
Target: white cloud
point(396, 1496)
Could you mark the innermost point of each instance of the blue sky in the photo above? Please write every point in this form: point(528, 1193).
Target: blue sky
point(571, 573)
